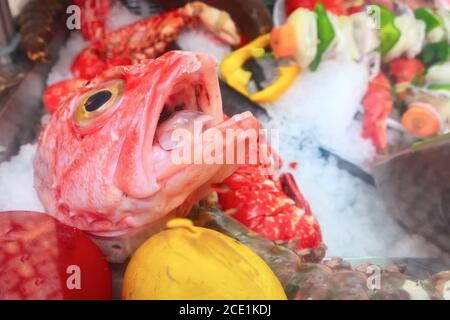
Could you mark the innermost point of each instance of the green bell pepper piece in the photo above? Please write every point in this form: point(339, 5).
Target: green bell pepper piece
point(389, 33)
point(427, 16)
point(438, 52)
point(439, 86)
point(325, 32)
point(419, 144)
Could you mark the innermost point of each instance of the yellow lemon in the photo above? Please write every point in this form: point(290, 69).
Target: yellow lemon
point(188, 262)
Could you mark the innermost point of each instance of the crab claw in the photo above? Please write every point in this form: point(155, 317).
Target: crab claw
point(216, 21)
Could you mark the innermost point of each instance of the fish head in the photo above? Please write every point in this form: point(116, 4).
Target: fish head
point(105, 160)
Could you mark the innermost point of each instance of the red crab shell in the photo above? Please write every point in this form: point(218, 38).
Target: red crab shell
point(258, 201)
point(145, 39)
point(93, 14)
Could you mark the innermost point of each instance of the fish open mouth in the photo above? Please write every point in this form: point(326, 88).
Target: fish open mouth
point(192, 105)
point(191, 128)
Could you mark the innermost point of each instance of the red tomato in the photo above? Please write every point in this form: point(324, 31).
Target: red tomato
point(405, 69)
point(355, 9)
point(291, 5)
point(335, 6)
point(41, 258)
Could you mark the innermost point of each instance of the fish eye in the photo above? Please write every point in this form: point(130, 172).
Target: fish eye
point(98, 99)
point(97, 102)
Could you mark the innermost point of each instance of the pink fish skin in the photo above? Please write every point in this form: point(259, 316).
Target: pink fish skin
point(105, 171)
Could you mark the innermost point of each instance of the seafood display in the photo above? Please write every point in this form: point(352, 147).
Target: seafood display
point(61, 93)
point(157, 176)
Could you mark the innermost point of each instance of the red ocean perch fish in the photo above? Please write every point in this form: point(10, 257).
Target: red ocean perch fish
point(149, 38)
point(258, 201)
point(104, 160)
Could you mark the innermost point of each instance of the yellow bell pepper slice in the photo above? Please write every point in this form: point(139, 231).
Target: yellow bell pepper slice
point(238, 78)
point(272, 92)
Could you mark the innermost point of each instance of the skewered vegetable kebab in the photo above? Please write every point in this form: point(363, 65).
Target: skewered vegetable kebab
point(312, 33)
point(319, 34)
point(310, 36)
point(428, 112)
point(322, 35)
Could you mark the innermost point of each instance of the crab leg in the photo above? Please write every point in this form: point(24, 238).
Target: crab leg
point(264, 204)
point(149, 38)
